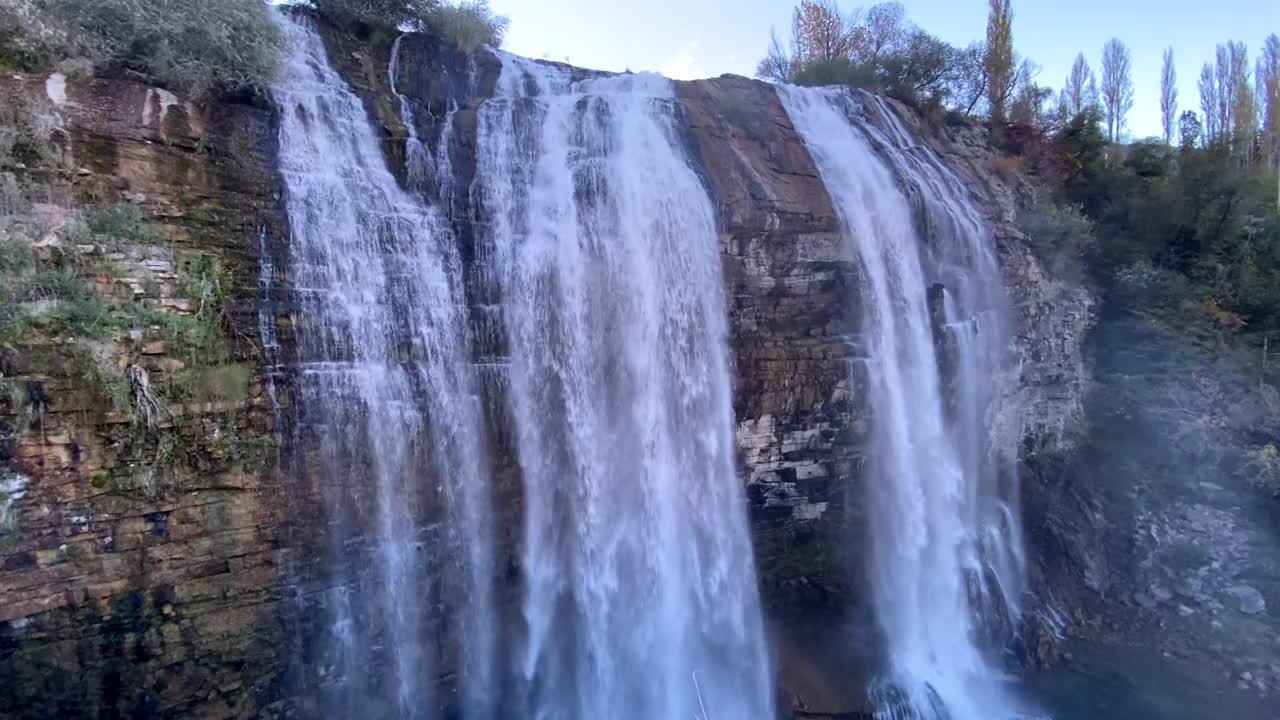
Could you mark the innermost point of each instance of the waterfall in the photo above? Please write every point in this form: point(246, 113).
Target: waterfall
point(416, 153)
point(946, 562)
point(386, 388)
point(639, 588)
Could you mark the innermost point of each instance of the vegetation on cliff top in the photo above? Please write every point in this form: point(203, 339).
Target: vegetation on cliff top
point(202, 48)
point(468, 23)
point(879, 49)
point(1187, 234)
point(1180, 235)
point(192, 47)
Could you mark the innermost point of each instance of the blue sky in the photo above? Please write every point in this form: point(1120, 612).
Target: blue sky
point(700, 38)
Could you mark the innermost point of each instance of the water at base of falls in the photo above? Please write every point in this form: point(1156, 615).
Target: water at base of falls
point(946, 562)
point(387, 398)
point(640, 593)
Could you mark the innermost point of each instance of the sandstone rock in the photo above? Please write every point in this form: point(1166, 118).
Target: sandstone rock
point(180, 305)
point(87, 608)
point(48, 247)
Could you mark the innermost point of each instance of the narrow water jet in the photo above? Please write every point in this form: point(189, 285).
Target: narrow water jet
point(386, 387)
point(946, 563)
point(416, 153)
point(640, 596)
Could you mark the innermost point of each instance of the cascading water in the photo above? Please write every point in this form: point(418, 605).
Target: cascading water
point(416, 153)
point(946, 561)
point(385, 383)
point(640, 595)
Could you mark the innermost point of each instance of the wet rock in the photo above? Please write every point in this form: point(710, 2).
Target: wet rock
point(1145, 600)
point(1247, 599)
point(1188, 588)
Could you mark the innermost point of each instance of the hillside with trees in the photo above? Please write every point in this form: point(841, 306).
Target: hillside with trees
point(1179, 235)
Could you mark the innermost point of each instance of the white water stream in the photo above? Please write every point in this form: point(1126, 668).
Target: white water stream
point(640, 596)
point(388, 383)
point(946, 559)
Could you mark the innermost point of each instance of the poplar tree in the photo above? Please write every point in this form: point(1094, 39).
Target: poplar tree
point(1117, 86)
point(999, 60)
point(1267, 81)
point(1081, 90)
point(1209, 106)
point(1168, 96)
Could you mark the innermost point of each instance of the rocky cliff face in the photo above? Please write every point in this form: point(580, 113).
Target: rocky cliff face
point(138, 567)
point(168, 603)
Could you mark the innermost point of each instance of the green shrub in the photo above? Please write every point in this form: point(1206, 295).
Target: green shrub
point(837, 72)
point(89, 318)
point(13, 201)
point(16, 258)
point(390, 13)
point(1061, 235)
point(29, 38)
point(228, 383)
point(195, 339)
point(470, 24)
point(1261, 468)
point(120, 222)
point(15, 402)
point(55, 299)
point(26, 134)
point(193, 48)
point(1147, 285)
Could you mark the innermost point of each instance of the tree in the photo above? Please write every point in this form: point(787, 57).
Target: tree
point(1168, 95)
point(1117, 87)
point(820, 32)
point(777, 64)
point(919, 69)
point(878, 50)
point(820, 35)
point(1189, 129)
point(391, 13)
point(967, 82)
point(1081, 89)
point(1209, 105)
point(1228, 102)
point(469, 24)
point(999, 61)
point(1226, 99)
point(1244, 115)
point(1027, 108)
point(882, 31)
point(1267, 80)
